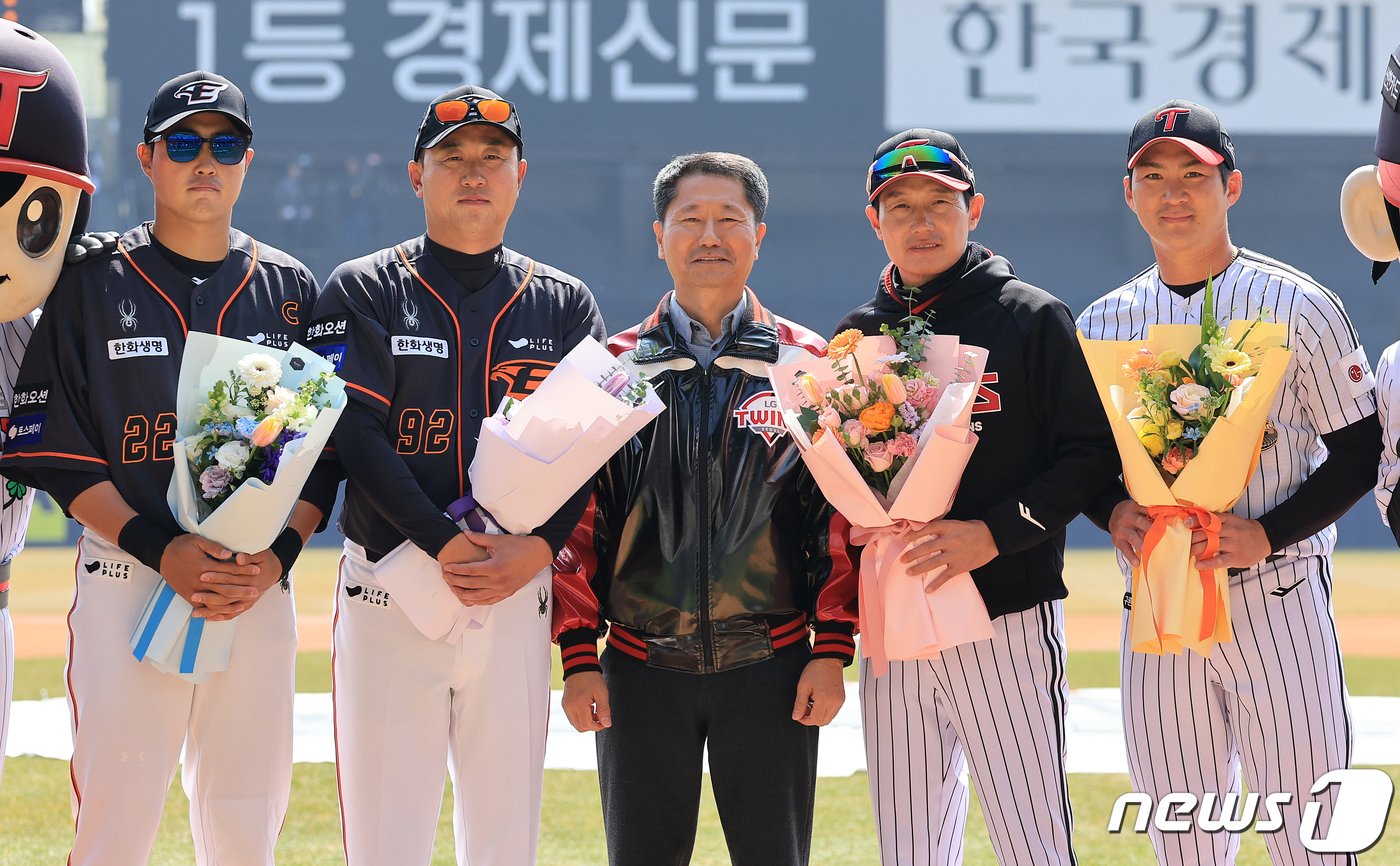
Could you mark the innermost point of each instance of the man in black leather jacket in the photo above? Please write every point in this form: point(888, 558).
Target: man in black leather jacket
point(710, 556)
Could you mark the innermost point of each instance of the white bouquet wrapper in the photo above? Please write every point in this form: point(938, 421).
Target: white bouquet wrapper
point(414, 582)
point(248, 521)
point(556, 440)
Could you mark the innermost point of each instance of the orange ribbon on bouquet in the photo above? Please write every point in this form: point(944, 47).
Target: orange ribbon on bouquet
point(1207, 522)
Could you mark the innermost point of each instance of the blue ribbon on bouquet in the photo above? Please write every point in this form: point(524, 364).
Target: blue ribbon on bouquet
point(467, 509)
point(162, 604)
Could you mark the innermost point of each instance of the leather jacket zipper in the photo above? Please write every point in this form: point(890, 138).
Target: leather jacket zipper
point(702, 465)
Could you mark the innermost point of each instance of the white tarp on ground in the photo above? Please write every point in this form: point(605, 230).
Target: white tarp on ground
point(1095, 733)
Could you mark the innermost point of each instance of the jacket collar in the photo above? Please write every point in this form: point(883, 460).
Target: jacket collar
point(755, 335)
point(969, 276)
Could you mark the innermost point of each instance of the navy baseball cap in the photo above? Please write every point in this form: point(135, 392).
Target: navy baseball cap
point(1190, 125)
point(920, 152)
point(462, 106)
point(191, 93)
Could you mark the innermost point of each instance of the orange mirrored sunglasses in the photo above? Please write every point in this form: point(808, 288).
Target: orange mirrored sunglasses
point(455, 110)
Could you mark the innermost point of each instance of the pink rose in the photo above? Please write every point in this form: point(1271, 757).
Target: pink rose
point(853, 433)
point(903, 445)
point(921, 394)
point(878, 456)
point(829, 417)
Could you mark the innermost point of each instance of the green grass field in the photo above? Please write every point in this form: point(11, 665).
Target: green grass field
point(35, 795)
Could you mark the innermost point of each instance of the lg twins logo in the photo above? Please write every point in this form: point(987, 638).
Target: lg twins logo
point(761, 414)
point(200, 92)
point(1355, 373)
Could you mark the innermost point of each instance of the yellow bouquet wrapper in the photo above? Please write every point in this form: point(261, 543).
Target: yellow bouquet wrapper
point(1175, 605)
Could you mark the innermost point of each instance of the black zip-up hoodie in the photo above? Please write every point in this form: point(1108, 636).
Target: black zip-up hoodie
point(1045, 451)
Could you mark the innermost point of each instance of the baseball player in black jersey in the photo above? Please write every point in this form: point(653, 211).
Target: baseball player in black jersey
point(1044, 453)
point(1271, 703)
point(94, 428)
point(430, 335)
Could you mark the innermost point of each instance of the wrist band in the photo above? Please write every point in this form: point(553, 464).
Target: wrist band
point(144, 540)
point(287, 547)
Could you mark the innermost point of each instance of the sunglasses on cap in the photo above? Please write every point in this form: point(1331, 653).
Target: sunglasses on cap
point(925, 157)
point(455, 110)
point(228, 148)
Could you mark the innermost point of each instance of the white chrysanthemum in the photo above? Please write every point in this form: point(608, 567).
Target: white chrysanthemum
point(233, 456)
point(260, 371)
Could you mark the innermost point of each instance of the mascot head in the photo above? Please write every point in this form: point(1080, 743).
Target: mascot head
point(1371, 194)
point(44, 184)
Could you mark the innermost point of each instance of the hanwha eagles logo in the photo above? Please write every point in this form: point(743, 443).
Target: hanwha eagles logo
point(761, 414)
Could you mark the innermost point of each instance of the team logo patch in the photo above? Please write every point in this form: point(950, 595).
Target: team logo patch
point(542, 596)
point(137, 347)
point(126, 313)
point(410, 314)
point(522, 377)
point(405, 345)
point(201, 92)
point(1355, 373)
point(534, 344)
point(761, 414)
point(1270, 436)
point(112, 569)
point(14, 83)
point(370, 595)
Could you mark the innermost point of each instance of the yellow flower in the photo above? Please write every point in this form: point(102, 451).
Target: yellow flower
point(894, 388)
point(1161, 377)
point(877, 418)
point(843, 344)
point(1158, 414)
point(1169, 358)
point(1175, 429)
point(1153, 442)
point(1231, 362)
point(810, 388)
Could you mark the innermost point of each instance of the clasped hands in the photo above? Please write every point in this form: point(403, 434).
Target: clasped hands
point(484, 569)
point(1243, 542)
point(218, 582)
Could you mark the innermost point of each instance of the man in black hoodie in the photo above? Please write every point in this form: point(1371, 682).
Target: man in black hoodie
point(1045, 452)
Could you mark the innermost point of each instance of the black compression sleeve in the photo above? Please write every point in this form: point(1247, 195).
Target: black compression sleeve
point(556, 530)
point(362, 443)
point(1347, 474)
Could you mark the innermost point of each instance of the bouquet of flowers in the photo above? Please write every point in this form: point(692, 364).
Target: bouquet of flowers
point(1181, 397)
point(884, 426)
point(532, 455)
point(250, 425)
point(1188, 425)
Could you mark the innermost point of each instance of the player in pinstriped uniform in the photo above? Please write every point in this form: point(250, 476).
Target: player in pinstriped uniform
point(16, 500)
point(1388, 398)
point(1273, 702)
point(996, 706)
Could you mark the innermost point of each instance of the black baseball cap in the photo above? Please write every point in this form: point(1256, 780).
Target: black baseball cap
point(1190, 125)
point(47, 134)
point(921, 153)
point(462, 106)
point(191, 93)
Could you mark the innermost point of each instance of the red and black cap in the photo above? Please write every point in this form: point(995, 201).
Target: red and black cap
point(920, 152)
point(191, 93)
point(462, 106)
point(43, 129)
point(1190, 125)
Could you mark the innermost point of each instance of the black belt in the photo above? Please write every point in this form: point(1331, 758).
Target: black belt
point(1273, 557)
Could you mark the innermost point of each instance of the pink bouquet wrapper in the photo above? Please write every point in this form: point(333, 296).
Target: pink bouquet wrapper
point(899, 619)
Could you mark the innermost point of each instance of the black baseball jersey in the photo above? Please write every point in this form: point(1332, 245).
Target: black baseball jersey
point(96, 393)
point(433, 359)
